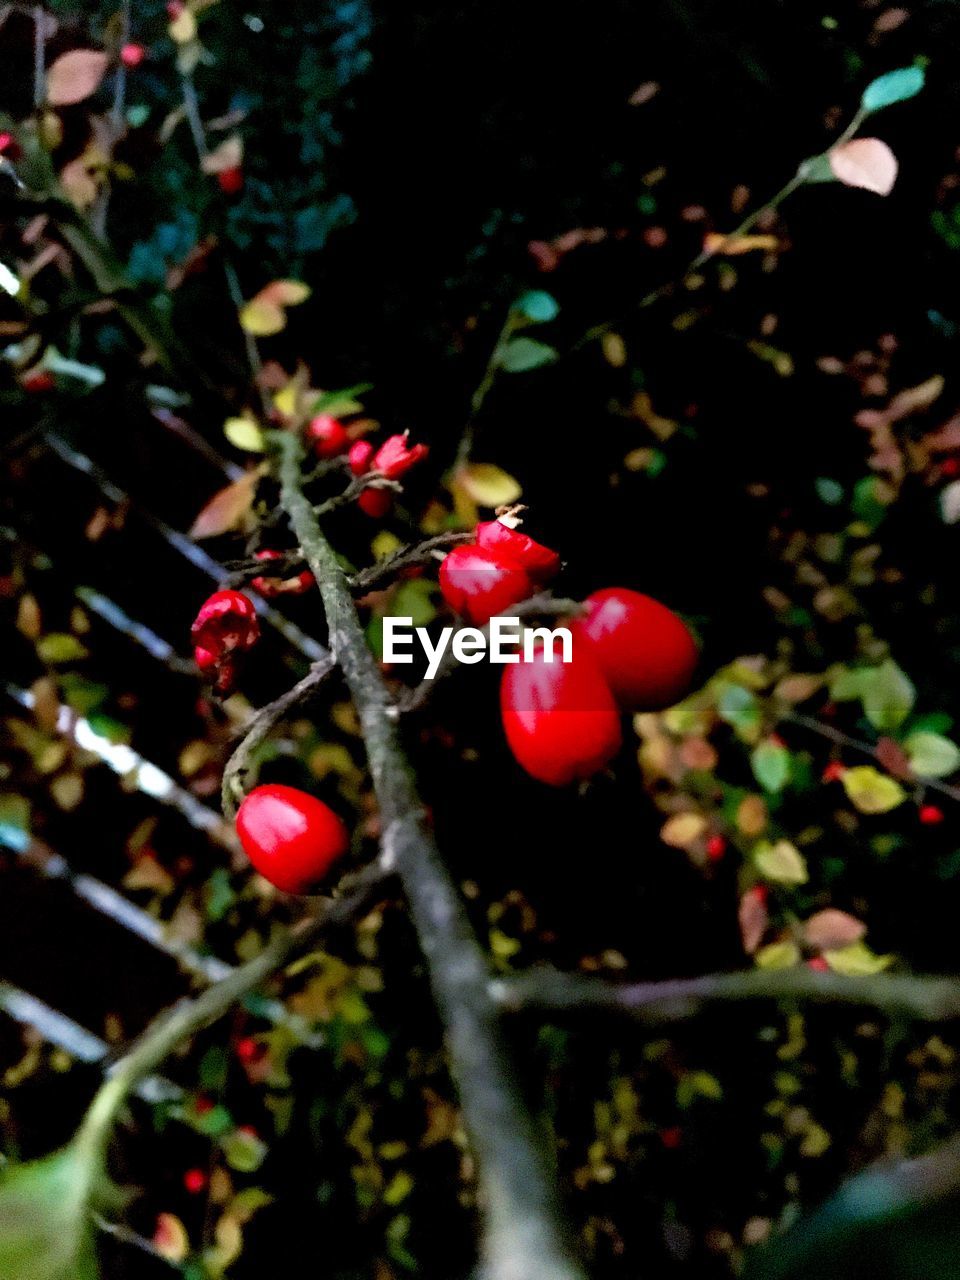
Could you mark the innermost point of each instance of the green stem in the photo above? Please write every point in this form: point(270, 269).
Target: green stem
point(523, 1238)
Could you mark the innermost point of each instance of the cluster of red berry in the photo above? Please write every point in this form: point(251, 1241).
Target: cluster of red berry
point(631, 653)
point(392, 459)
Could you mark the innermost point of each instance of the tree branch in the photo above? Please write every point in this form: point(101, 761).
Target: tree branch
point(523, 1237)
point(548, 991)
point(406, 558)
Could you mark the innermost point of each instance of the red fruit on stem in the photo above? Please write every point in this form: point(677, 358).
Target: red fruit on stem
point(395, 456)
point(560, 720)
point(270, 587)
point(195, 1181)
point(477, 584)
point(645, 651)
point(230, 180)
point(833, 772)
point(328, 435)
point(132, 54)
point(539, 562)
point(292, 838)
point(375, 502)
point(360, 457)
point(931, 815)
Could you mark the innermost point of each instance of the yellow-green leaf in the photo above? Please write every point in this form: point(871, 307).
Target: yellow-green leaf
point(262, 318)
point(243, 433)
point(778, 955)
point(488, 485)
point(782, 862)
point(871, 791)
point(857, 960)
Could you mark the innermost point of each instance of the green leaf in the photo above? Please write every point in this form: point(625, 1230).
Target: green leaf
point(538, 306)
point(781, 863)
point(856, 960)
point(931, 755)
point(778, 955)
point(341, 403)
point(243, 433)
point(523, 354)
point(829, 491)
point(895, 86)
point(60, 646)
point(46, 1228)
point(888, 696)
point(871, 791)
point(244, 1151)
point(770, 762)
point(413, 600)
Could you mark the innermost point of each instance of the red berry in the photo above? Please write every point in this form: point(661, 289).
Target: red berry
point(328, 435)
point(671, 1138)
point(230, 180)
point(226, 625)
point(395, 456)
point(40, 381)
point(292, 838)
point(539, 562)
point(818, 964)
point(477, 584)
point(249, 1049)
point(360, 457)
point(645, 651)
point(950, 467)
point(833, 772)
point(270, 587)
point(560, 720)
point(203, 1105)
point(9, 146)
point(131, 55)
point(716, 848)
point(375, 502)
point(174, 9)
point(195, 1181)
point(931, 815)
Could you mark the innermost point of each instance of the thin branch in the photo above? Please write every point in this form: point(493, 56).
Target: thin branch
point(258, 729)
point(523, 1236)
point(406, 558)
point(549, 991)
point(372, 480)
point(188, 1017)
point(483, 389)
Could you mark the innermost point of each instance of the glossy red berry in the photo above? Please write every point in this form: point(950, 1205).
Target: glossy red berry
point(931, 815)
point(195, 1181)
point(540, 563)
point(478, 585)
point(645, 651)
point(395, 456)
point(360, 457)
point(560, 720)
point(292, 838)
point(230, 180)
point(375, 502)
point(328, 435)
point(132, 54)
point(270, 587)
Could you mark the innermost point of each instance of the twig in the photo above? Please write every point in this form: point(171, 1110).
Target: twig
point(523, 1236)
point(547, 990)
point(188, 1017)
point(372, 480)
point(483, 389)
point(406, 558)
point(258, 729)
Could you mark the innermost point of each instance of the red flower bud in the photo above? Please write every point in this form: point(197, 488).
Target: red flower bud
point(270, 587)
point(477, 584)
point(538, 561)
point(395, 456)
point(131, 55)
point(560, 720)
point(328, 435)
point(360, 457)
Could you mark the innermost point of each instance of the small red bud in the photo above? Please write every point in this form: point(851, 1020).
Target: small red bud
point(328, 435)
point(395, 456)
point(716, 848)
point(195, 1181)
point(950, 467)
point(931, 815)
point(833, 772)
point(360, 456)
point(249, 1049)
point(270, 587)
point(132, 54)
point(43, 380)
point(9, 146)
point(230, 180)
point(203, 1105)
point(818, 964)
point(671, 1138)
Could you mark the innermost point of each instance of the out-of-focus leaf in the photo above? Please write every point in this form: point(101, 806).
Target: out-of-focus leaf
point(865, 162)
point(170, 1238)
point(523, 354)
point(265, 314)
point(895, 86)
point(950, 502)
point(857, 960)
point(46, 1226)
point(683, 829)
point(538, 306)
point(931, 755)
point(60, 646)
point(753, 918)
point(488, 485)
point(413, 599)
point(871, 791)
point(831, 929)
point(243, 1150)
point(778, 955)
point(228, 155)
point(732, 246)
point(244, 433)
point(75, 76)
point(888, 695)
point(782, 862)
point(183, 28)
point(770, 761)
point(226, 509)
